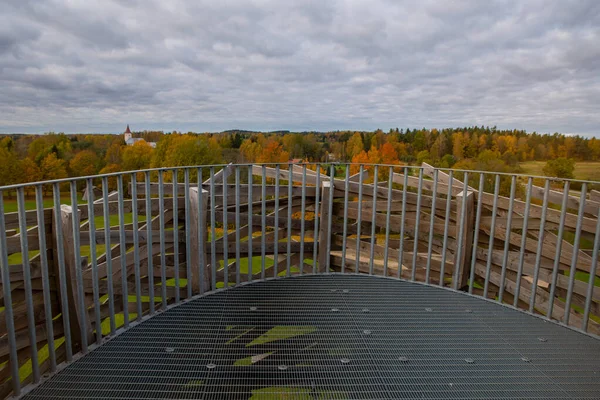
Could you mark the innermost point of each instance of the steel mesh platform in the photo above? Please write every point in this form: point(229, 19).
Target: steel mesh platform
point(336, 337)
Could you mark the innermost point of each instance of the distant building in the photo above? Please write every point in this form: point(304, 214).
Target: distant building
point(130, 140)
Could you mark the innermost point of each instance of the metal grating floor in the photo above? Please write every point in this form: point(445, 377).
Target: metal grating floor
point(336, 337)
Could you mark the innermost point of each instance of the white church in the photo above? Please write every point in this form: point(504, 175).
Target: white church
point(130, 140)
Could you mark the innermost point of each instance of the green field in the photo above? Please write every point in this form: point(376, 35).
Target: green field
point(584, 170)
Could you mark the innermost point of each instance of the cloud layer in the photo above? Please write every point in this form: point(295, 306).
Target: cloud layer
point(94, 65)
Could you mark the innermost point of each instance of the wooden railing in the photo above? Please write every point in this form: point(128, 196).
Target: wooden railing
point(63, 294)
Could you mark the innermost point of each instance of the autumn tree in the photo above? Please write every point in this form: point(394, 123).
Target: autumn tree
point(137, 156)
point(85, 163)
point(560, 167)
point(355, 145)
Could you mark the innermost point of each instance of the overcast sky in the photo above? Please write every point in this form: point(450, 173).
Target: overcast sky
point(94, 66)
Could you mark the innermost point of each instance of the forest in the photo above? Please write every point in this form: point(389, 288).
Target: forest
point(31, 158)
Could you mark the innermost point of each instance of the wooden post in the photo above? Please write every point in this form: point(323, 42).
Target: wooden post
point(464, 263)
point(324, 234)
point(66, 225)
point(195, 257)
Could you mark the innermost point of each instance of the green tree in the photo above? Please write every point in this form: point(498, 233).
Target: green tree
point(560, 167)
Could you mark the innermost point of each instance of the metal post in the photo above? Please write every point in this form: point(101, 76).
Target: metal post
point(276, 231)
point(488, 268)
point(387, 221)
point(123, 251)
point(188, 249)
point(213, 232)
point(93, 257)
point(238, 226)
point(263, 239)
point(62, 273)
point(345, 233)
point(250, 200)
point(476, 232)
point(373, 220)
point(136, 247)
point(302, 218)
point(591, 279)
point(538, 256)
point(175, 210)
point(573, 270)
point(413, 272)
point(446, 226)
point(8, 305)
point(225, 233)
point(402, 223)
point(431, 225)
point(289, 220)
point(148, 195)
point(523, 242)
point(559, 241)
point(316, 232)
point(78, 272)
point(45, 275)
point(513, 184)
point(161, 219)
point(359, 217)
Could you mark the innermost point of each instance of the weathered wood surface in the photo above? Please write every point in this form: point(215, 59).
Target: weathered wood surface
point(445, 254)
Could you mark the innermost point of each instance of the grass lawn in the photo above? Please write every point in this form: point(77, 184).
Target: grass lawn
point(585, 170)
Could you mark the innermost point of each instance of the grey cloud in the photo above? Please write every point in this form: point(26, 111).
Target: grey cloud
point(268, 64)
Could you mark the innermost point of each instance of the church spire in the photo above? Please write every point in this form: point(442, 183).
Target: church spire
point(127, 130)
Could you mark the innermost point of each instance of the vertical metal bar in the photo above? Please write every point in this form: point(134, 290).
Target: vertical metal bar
point(161, 222)
point(276, 231)
point(329, 218)
point(148, 195)
point(188, 255)
point(289, 220)
point(27, 284)
point(538, 255)
point(108, 253)
point(561, 229)
point(93, 258)
point(387, 221)
point(488, 268)
point(78, 272)
point(302, 217)
point(592, 277)
point(461, 229)
point(225, 233)
point(413, 272)
point(263, 239)
point(237, 225)
point(431, 224)
point(136, 247)
point(61, 272)
point(523, 243)
point(175, 235)
point(123, 249)
point(446, 226)
point(8, 305)
point(317, 218)
point(476, 234)
point(345, 233)
point(402, 222)
point(250, 184)
point(39, 203)
point(373, 220)
point(213, 232)
point(573, 270)
point(359, 217)
point(513, 184)
point(201, 236)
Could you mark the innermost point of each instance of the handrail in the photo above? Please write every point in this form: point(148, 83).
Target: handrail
point(169, 242)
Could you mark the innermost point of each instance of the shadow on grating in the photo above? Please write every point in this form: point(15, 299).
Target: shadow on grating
point(336, 337)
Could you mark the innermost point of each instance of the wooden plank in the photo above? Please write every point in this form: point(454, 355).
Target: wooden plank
point(466, 250)
point(324, 233)
point(199, 271)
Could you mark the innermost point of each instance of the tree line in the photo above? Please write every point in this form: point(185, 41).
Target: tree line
point(31, 158)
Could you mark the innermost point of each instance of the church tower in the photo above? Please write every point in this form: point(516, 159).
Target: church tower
point(127, 134)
